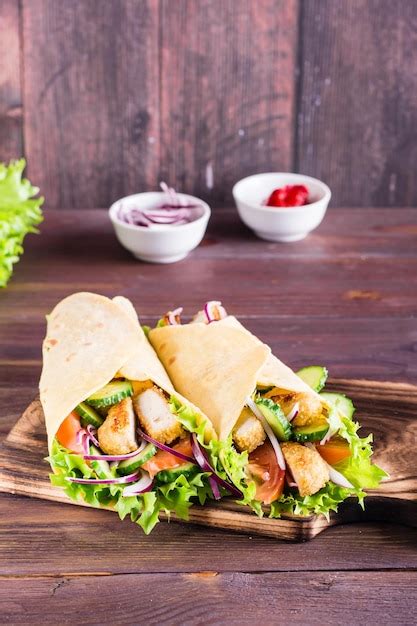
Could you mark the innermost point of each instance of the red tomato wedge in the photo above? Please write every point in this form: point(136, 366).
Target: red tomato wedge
point(164, 460)
point(334, 451)
point(263, 469)
point(67, 433)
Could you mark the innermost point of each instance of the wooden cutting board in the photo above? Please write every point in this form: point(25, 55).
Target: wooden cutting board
point(389, 410)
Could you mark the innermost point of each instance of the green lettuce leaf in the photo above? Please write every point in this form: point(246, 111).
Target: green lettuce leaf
point(358, 469)
point(228, 463)
point(176, 497)
point(20, 212)
point(320, 503)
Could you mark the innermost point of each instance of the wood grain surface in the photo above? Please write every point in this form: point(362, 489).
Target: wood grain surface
point(352, 572)
point(227, 96)
point(358, 100)
point(119, 94)
point(94, 98)
point(11, 112)
point(207, 597)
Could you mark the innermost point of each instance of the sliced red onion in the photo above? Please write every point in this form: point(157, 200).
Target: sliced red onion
point(214, 311)
point(171, 316)
point(203, 462)
point(93, 432)
point(173, 212)
point(294, 412)
point(338, 478)
point(271, 435)
point(328, 435)
point(215, 488)
point(144, 484)
point(115, 457)
point(83, 438)
point(166, 448)
point(104, 481)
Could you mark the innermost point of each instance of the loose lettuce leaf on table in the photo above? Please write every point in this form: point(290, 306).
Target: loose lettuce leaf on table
point(20, 213)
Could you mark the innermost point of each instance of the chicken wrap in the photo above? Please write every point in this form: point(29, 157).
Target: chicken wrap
point(297, 443)
point(119, 434)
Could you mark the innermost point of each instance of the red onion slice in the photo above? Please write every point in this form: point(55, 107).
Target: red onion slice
point(328, 435)
point(103, 481)
point(162, 446)
point(215, 488)
point(294, 412)
point(93, 435)
point(271, 435)
point(203, 462)
point(338, 478)
point(144, 484)
point(114, 457)
point(214, 311)
point(83, 438)
point(174, 211)
point(172, 316)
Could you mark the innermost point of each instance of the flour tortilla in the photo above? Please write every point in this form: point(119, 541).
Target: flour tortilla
point(274, 373)
point(217, 366)
point(89, 339)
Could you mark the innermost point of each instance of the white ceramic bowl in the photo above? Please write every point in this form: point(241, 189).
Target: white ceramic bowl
point(161, 243)
point(282, 223)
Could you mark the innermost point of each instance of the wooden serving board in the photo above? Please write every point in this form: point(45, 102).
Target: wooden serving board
point(389, 410)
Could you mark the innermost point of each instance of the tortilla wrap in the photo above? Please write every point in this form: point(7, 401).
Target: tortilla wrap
point(89, 339)
point(217, 366)
point(274, 373)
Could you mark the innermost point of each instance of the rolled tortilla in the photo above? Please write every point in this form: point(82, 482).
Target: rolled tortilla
point(215, 366)
point(274, 373)
point(218, 365)
point(90, 339)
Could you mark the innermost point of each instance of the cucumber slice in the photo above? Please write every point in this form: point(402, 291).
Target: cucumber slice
point(131, 465)
point(88, 415)
point(111, 393)
point(169, 475)
point(275, 417)
point(340, 402)
point(101, 468)
point(310, 433)
point(315, 376)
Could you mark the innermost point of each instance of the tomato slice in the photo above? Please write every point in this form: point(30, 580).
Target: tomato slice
point(264, 470)
point(165, 460)
point(67, 433)
point(334, 451)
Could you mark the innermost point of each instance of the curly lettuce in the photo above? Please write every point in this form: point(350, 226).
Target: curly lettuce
point(357, 468)
point(183, 491)
point(175, 497)
point(228, 463)
point(231, 465)
point(20, 213)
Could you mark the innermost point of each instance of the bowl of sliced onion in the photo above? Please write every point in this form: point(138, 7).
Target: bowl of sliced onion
point(160, 226)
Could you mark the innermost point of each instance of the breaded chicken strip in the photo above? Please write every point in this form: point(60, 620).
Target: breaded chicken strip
point(309, 470)
point(310, 407)
point(248, 433)
point(117, 433)
point(156, 419)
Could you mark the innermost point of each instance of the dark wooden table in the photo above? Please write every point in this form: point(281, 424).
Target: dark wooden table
point(345, 297)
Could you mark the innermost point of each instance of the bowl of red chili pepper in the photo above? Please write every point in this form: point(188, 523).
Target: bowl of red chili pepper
point(280, 206)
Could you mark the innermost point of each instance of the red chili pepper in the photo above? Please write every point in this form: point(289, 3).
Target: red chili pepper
point(288, 196)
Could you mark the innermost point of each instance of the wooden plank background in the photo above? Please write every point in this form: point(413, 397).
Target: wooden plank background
point(108, 97)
